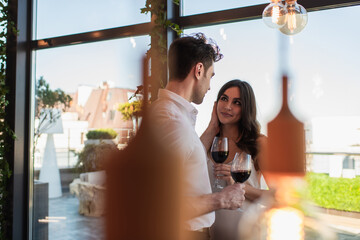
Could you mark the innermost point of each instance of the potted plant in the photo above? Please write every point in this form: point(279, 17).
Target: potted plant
point(131, 111)
point(90, 187)
point(101, 135)
point(90, 159)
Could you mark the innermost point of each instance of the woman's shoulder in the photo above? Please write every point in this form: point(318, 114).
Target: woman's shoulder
point(262, 139)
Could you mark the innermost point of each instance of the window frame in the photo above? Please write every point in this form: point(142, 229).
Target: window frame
point(19, 82)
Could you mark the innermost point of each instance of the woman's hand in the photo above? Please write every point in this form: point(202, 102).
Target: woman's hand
point(211, 131)
point(214, 121)
point(222, 171)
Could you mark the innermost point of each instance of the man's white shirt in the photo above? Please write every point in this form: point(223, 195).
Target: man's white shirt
point(174, 119)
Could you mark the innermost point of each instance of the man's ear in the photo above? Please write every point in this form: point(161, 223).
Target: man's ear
point(199, 69)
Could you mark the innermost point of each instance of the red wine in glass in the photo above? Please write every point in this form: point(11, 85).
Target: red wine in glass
point(219, 153)
point(241, 167)
point(240, 176)
point(219, 156)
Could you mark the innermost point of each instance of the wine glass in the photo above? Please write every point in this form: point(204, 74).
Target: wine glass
point(241, 167)
point(219, 153)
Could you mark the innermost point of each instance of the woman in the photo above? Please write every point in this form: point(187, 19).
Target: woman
point(234, 117)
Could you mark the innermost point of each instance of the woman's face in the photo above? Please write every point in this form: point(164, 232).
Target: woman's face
point(229, 106)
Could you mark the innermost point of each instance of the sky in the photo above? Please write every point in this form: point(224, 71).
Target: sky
point(323, 62)
point(115, 61)
point(57, 18)
point(322, 65)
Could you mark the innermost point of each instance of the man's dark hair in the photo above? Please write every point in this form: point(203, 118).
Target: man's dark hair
point(187, 51)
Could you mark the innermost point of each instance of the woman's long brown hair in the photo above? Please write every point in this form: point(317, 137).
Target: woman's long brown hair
point(249, 127)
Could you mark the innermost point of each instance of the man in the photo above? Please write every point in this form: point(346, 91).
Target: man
point(191, 67)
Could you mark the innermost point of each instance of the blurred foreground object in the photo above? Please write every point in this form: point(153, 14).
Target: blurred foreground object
point(286, 214)
point(143, 195)
point(143, 188)
point(286, 144)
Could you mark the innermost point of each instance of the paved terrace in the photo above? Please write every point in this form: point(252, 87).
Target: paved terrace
point(73, 226)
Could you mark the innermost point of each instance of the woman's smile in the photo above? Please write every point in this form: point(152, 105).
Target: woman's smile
point(225, 114)
point(229, 106)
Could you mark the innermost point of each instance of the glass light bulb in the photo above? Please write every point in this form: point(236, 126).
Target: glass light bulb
point(274, 15)
point(297, 18)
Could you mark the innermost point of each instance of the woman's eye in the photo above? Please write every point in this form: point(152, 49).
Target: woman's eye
point(238, 103)
point(223, 99)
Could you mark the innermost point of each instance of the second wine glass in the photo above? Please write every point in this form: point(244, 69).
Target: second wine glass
point(219, 153)
point(241, 167)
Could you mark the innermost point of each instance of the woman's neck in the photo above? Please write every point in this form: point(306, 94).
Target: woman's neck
point(230, 131)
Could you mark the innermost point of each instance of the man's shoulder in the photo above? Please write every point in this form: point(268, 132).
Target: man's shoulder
point(165, 108)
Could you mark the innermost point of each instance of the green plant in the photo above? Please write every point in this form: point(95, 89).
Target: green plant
point(102, 133)
point(7, 29)
point(334, 193)
point(92, 157)
point(158, 45)
point(47, 98)
point(158, 9)
point(131, 110)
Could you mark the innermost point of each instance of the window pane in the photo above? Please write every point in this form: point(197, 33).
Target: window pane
point(98, 77)
point(191, 7)
point(324, 67)
point(57, 18)
point(246, 57)
point(324, 90)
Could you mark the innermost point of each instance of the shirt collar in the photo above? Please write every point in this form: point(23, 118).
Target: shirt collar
point(164, 93)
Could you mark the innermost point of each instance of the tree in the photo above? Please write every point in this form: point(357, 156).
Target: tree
point(47, 98)
point(47, 101)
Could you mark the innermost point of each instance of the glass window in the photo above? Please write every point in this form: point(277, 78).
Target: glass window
point(192, 7)
point(322, 65)
point(98, 77)
point(57, 18)
point(322, 62)
point(247, 57)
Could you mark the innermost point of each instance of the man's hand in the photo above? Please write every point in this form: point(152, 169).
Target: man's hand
point(233, 196)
